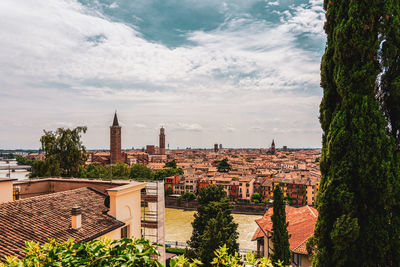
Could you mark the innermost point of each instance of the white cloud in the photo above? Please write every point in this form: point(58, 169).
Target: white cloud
point(273, 3)
point(195, 127)
point(114, 5)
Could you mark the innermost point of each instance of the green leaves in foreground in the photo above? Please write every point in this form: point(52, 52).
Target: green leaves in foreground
point(123, 252)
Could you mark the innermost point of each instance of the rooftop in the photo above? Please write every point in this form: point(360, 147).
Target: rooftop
point(301, 226)
point(49, 216)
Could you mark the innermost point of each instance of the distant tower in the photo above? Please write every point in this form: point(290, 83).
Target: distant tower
point(162, 141)
point(115, 141)
point(272, 149)
point(215, 147)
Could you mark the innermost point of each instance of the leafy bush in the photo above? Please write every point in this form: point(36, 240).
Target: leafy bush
point(177, 251)
point(123, 252)
point(104, 252)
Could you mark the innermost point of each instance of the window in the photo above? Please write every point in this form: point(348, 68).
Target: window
point(124, 232)
point(296, 259)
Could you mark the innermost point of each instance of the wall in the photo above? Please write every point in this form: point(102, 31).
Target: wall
point(305, 261)
point(36, 187)
point(6, 190)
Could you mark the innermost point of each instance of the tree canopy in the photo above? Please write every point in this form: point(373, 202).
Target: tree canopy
point(170, 164)
point(213, 224)
point(280, 235)
point(64, 153)
point(224, 166)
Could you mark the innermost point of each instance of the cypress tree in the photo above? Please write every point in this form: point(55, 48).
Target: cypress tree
point(359, 171)
point(389, 96)
point(280, 235)
point(389, 87)
point(213, 225)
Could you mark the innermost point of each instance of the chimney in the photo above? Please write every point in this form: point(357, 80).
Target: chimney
point(76, 217)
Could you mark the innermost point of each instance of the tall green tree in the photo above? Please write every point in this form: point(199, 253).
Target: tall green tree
point(64, 152)
point(280, 235)
point(213, 224)
point(359, 171)
point(224, 166)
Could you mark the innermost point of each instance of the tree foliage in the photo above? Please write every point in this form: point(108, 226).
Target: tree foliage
point(389, 87)
point(256, 197)
point(124, 252)
point(23, 160)
point(162, 174)
point(120, 170)
point(141, 171)
point(358, 217)
point(189, 196)
point(170, 164)
point(213, 224)
point(64, 153)
point(168, 191)
point(224, 166)
point(280, 235)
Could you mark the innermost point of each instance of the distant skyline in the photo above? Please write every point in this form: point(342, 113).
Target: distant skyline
point(237, 73)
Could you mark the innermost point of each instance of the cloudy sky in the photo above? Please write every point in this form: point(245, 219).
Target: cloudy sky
point(236, 72)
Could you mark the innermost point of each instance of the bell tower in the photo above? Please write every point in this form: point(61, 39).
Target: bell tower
point(162, 141)
point(273, 147)
point(115, 141)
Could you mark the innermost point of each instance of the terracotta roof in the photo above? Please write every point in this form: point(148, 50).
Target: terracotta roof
point(49, 216)
point(301, 226)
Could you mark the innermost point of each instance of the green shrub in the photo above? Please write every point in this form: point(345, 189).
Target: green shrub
point(177, 251)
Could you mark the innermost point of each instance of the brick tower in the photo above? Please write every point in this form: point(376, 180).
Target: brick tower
point(215, 147)
point(115, 141)
point(162, 141)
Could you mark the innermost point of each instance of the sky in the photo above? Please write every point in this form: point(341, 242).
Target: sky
point(238, 72)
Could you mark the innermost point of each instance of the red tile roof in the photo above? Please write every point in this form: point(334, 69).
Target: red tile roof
point(49, 216)
point(301, 226)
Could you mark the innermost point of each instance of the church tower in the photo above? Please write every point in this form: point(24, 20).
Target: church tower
point(162, 141)
point(273, 147)
point(115, 141)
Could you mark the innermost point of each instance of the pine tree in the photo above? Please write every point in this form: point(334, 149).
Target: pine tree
point(280, 235)
point(213, 225)
point(359, 171)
